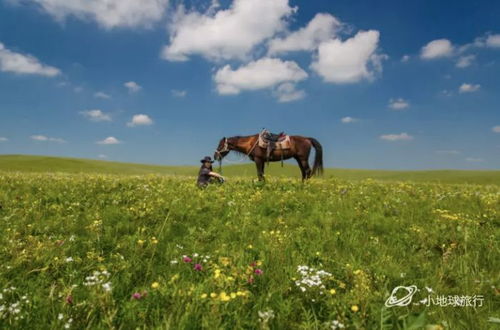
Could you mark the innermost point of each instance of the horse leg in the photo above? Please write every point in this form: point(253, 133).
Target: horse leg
point(302, 170)
point(307, 170)
point(259, 163)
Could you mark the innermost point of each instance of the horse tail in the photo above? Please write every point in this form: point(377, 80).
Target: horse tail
point(318, 158)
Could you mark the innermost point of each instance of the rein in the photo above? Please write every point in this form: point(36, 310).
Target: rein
point(226, 148)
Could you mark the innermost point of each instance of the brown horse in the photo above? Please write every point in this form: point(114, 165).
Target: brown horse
point(300, 148)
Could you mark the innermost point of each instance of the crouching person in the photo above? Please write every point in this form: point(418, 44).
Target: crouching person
point(206, 173)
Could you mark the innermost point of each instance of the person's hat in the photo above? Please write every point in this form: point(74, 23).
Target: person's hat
point(207, 159)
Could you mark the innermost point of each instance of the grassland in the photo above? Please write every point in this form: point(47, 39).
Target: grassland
point(98, 251)
point(24, 163)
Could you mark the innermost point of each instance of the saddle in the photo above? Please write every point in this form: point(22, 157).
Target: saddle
point(271, 141)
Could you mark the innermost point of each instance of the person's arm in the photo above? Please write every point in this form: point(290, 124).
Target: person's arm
point(217, 175)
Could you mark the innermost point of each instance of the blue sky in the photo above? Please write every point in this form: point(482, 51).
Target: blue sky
point(395, 85)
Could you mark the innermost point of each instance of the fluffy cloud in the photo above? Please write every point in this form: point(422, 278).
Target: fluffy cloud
point(288, 93)
point(496, 129)
point(140, 120)
point(96, 115)
point(24, 64)
point(178, 93)
point(469, 88)
point(109, 140)
point(493, 41)
point(348, 120)
point(474, 160)
point(321, 28)
point(102, 95)
point(436, 49)
point(465, 61)
point(132, 86)
point(349, 61)
point(225, 34)
point(398, 104)
point(3, 139)
point(396, 137)
point(107, 13)
point(264, 73)
point(44, 138)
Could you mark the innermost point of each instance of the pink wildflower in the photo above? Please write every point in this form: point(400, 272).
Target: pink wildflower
point(187, 259)
point(69, 300)
point(198, 267)
point(258, 271)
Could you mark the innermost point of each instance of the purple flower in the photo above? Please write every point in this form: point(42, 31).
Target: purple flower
point(69, 300)
point(187, 259)
point(198, 267)
point(138, 295)
point(258, 271)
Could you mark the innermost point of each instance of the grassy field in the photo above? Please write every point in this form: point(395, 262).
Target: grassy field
point(87, 250)
point(23, 163)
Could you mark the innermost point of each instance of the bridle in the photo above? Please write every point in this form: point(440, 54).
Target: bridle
point(225, 148)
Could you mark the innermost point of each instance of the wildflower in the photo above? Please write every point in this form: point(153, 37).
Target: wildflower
point(69, 300)
point(224, 297)
point(154, 240)
point(266, 316)
point(69, 259)
point(186, 259)
point(357, 272)
point(216, 273)
point(140, 242)
point(336, 325)
point(107, 286)
point(258, 271)
point(332, 291)
point(60, 316)
point(155, 285)
point(354, 308)
point(204, 296)
point(213, 295)
point(138, 295)
point(233, 295)
point(174, 262)
point(198, 267)
point(250, 246)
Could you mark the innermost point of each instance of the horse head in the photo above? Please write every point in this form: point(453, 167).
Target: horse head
point(222, 149)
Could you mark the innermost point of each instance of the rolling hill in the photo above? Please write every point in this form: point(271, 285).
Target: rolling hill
point(27, 163)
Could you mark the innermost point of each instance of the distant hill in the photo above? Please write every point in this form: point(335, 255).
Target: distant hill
point(25, 163)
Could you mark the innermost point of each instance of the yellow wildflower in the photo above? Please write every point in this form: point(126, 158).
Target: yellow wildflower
point(354, 308)
point(155, 285)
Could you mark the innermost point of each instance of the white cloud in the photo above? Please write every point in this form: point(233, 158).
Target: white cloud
point(46, 139)
point(474, 160)
point(132, 86)
point(321, 28)
point(109, 140)
point(496, 129)
point(3, 139)
point(226, 33)
point(349, 61)
point(178, 93)
point(448, 152)
point(140, 120)
point(398, 104)
point(18, 63)
point(465, 61)
point(405, 58)
point(396, 137)
point(102, 95)
point(264, 73)
point(469, 88)
point(493, 41)
point(288, 93)
point(102, 156)
point(436, 49)
point(96, 115)
point(348, 120)
point(107, 13)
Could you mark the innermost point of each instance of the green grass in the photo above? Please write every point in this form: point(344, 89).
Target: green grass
point(24, 163)
point(59, 229)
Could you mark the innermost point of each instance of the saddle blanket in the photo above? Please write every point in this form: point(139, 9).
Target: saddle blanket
point(281, 144)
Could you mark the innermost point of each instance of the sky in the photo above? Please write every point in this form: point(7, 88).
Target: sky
point(382, 85)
